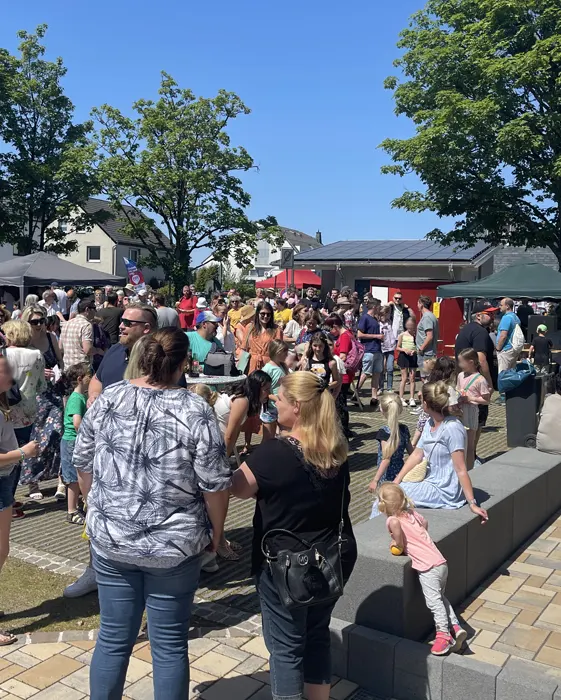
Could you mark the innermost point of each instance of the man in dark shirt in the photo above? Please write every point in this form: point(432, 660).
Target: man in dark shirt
point(330, 302)
point(475, 335)
point(310, 300)
point(111, 316)
point(524, 311)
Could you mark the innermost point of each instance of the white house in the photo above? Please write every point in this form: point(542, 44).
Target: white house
point(266, 262)
point(105, 245)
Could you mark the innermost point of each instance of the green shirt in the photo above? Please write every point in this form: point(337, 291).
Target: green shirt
point(75, 406)
point(200, 347)
point(276, 373)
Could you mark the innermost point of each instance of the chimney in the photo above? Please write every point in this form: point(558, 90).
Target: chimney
point(318, 237)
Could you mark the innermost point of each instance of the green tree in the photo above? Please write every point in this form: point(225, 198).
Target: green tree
point(174, 161)
point(205, 275)
point(482, 84)
point(45, 163)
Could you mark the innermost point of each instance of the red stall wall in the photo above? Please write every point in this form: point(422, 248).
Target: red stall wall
point(451, 310)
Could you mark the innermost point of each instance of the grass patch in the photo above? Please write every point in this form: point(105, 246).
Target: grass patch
point(32, 601)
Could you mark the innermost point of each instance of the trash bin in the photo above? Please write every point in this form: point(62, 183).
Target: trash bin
point(523, 406)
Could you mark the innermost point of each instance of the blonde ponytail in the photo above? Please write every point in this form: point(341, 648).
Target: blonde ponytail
point(205, 392)
point(321, 436)
point(391, 408)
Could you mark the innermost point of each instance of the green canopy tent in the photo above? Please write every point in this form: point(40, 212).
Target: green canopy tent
point(530, 281)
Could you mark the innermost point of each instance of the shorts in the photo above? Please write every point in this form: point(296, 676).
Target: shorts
point(69, 474)
point(270, 415)
point(405, 361)
point(470, 416)
point(7, 489)
point(483, 415)
point(372, 363)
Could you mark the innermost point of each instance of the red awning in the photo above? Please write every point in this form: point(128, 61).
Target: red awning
point(302, 278)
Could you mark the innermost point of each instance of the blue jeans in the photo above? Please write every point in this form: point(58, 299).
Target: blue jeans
point(298, 641)
point(387, 374)
point(23, 436)
point(124, 591)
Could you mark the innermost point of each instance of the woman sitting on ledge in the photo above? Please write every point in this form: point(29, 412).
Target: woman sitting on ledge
point(443, 444)
point(549, 435)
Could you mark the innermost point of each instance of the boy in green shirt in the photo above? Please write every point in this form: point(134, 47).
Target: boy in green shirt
point(78, 376)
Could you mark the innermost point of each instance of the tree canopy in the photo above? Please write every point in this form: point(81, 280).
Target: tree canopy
point(174, 161)
point(481, 81)
point(45, 163)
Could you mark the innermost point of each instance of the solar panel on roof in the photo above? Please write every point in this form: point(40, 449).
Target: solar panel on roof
point(396, 250)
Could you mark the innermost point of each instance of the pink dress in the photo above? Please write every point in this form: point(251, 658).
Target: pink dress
point(473, 386)
point(423, 552)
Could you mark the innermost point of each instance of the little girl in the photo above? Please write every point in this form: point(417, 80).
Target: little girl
point(408, 530)
point(474, 392)
point(394, 440)
point(407, 361)
point(319, 359)
point(276, 369)
point(221, 404)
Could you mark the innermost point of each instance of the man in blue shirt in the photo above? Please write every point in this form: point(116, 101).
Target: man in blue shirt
point(373, 361)
point(507, 356)
point(202, 340)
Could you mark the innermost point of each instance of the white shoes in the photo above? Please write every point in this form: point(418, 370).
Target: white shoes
point(412, 403)
point(209, 563)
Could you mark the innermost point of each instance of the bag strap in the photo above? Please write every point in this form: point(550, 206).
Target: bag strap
point(472, 381)
point(245, 344)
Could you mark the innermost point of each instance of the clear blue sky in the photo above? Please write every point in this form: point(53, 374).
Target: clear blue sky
point(312, 72)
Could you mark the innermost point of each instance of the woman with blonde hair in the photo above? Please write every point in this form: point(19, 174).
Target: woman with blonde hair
point(294, 327)
point(310, 460)
point(443, 445)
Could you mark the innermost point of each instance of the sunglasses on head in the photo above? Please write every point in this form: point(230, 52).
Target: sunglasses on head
point(128, 322)
point(37, 321)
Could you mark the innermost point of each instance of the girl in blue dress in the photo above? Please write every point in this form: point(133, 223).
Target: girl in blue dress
point(394, 441)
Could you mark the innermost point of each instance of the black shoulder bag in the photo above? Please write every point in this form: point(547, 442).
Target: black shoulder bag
point(311, 576)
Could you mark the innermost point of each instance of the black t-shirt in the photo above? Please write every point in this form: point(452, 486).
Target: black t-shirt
point(473, 335)
point(329, 304)
point(542, 349)
point(524, 313)
point(311, 303)
point(111, 316)
point(296, 497)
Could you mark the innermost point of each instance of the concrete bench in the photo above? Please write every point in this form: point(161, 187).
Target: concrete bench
point(520, 490)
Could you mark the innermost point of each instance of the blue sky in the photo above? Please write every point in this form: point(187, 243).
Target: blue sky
point(312, 72)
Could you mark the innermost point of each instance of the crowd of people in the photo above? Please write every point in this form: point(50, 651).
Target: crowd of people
point(115, 399)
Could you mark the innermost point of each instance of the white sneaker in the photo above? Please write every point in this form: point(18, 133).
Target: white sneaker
point(403, 403)
point(209, 563)
point(412, 402)
point(60, 494)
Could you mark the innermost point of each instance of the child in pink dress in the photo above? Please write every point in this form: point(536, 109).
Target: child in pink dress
point(474, 392)
point(408, 530)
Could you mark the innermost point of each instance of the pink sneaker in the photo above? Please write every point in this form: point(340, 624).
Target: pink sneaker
point(443, 643)
point(460, 635)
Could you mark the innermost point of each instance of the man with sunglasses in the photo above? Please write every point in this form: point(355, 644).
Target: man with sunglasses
point(400, 313)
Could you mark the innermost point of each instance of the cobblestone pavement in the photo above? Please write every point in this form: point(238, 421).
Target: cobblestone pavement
point(46, 540)
point(517, 612)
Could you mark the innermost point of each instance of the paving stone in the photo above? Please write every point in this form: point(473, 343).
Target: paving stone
point(531, 570)
point(137, 669)
point(342, 690)
point(495, 617)
point(535, 581)
point(232, 652)
point(554, 640)
point(79, 680)
point(524, 637)
point(22, 659)
point(486, 638)
point(552, 614)
point(514, 651)
point(215, 664)
point(19, 689)
point(549, 656)
point(494, 596)
point(239, 688)
point(50, 671)
point(59, 692)
point(256, 647)
point(488, 656)
point(10, 671)
point(527, 617)
point(250, 666)
point(85, 657)
point(200, 676)
point(507, 584)
point(44, 651)
point(198, 647)
point(542, 546)
point(141, 690)
point(145, 654)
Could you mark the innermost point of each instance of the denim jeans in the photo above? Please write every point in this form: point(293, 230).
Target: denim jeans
point(298, 642)
point(23, 436)
point(124, 591)
point(387, 373)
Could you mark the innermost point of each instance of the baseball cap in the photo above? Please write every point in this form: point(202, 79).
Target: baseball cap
point(205, 316)
point(542, 328)
point(484, 307)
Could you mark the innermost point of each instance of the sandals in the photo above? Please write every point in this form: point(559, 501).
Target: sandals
point(7, 638)
point(76, 518)
point(35, 493)
point(17, 514)
point(225, 551)
point(234, 546)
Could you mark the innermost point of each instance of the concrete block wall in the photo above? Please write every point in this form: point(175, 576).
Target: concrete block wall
point(511, 255)
point(393, 668)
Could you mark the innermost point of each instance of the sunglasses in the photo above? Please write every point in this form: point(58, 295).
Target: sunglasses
point(127, 322)
point(264, 313)
point(37, 321)
point(398, 298)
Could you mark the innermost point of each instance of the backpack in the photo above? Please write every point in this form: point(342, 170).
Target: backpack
point(353, 361)
point(517, 339)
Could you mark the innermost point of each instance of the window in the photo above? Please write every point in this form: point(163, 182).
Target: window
point(63, 226)
point(93, 253)
point(134, 255)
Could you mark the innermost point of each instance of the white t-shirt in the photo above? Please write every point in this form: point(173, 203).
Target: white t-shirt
point(51, 310)
point(62, 300)
point(222, 409)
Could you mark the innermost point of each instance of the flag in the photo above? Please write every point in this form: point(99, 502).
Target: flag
point(136, 278)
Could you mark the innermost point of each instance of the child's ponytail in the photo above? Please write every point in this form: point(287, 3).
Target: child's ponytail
point(391, 408)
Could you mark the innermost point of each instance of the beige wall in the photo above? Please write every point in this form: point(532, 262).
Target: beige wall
point(95, 237)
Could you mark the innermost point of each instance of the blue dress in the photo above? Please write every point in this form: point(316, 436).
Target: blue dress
point(441, 486)
point(398, 457)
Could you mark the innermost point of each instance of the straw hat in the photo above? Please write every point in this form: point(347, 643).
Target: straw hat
point(247, 312)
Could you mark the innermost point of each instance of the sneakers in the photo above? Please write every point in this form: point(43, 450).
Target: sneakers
point(209, 563)
point(443, 643)
point(460, 636)
point(374, 403)
point(82, 586)
point(412, 403)
point(60, 494)
point(403, 402)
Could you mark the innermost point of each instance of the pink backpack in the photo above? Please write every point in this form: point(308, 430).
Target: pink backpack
point(353, 361)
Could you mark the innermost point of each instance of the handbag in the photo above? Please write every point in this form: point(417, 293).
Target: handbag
point(419, 472)
point(310, 576)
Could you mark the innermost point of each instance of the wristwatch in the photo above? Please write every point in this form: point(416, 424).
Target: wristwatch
point(473, 502)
